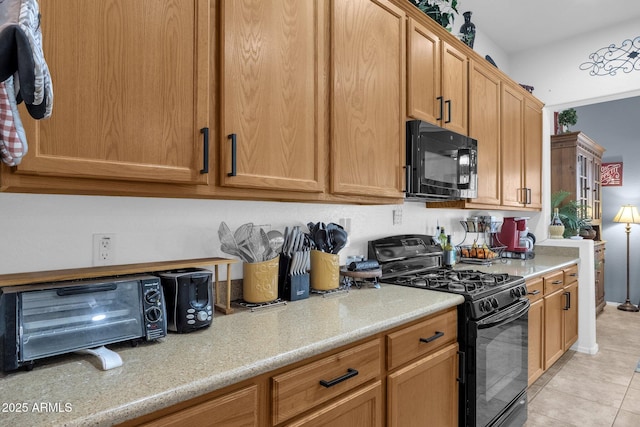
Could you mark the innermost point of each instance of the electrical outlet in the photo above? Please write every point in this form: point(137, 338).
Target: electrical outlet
point(104, 249)
point(397, 216)
point(345, 223)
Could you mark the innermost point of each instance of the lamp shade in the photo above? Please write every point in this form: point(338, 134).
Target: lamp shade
point(628, 214)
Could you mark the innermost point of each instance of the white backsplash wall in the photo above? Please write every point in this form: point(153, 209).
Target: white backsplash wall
point(52, 232)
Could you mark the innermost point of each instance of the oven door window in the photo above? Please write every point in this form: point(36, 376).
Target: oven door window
point(56, 321)
point(502, 363)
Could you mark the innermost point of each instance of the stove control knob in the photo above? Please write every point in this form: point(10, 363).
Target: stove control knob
point(523, 291)
point(494, 302)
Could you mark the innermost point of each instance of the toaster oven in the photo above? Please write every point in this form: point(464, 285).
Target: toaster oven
point(48, 319)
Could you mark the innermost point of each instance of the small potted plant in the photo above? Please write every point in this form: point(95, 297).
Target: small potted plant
point(567, 118)
point(570, 213)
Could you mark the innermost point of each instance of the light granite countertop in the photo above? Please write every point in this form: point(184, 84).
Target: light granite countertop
point(70, 390)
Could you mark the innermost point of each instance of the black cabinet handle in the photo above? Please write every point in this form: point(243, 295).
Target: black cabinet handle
point(407, 178)
point(536, 292)
point(448, 102)
point(433, 338)
point(556, 282)
point(232, 137)
point(350, 374)
point(568, 306)
point(205, 154)
point(441, 107)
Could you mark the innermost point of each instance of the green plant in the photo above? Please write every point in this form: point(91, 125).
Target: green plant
point(441, 11)
point(567, 118)
point(571, 213)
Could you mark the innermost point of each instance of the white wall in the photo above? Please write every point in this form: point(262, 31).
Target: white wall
point(51, 232)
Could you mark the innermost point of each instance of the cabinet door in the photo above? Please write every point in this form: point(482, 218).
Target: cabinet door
point(238, 409)
point(423, 73)
point(455, 78)
point(362, 407)
point(536, 340)
point(425, 393)
point(599, 279)
point(513, 193)
point(273, 95)
point(535, 289)
point(368, 98)
point(570, 314)
point(554, 330)
point(596, 191)
point(532, 151)
point(131, 84)
point(484, 126)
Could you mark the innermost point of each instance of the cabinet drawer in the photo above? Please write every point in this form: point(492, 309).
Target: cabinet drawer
point(535, 289)
point(570, 275)
point(553, 282)
point(310, 385)
point(422, 338)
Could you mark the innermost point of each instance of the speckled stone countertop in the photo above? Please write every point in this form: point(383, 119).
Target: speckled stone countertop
point(71, 391)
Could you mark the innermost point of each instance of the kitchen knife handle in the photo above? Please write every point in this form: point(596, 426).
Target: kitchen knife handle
point(350, 374)
point(441, 107)
point(448, 102)
point(232, 137)
point(432, 338)
point(205, 155)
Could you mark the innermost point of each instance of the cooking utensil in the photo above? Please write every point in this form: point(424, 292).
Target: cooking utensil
point(276, 240)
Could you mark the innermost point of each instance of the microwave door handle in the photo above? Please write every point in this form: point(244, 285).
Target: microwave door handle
point(77, 290)
point(464, 169)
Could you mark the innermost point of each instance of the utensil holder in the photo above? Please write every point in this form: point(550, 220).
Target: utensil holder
point(260, 281)
point(291, 287)
point(325, 271)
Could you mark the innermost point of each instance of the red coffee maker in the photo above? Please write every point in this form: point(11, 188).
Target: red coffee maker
point(513, 230)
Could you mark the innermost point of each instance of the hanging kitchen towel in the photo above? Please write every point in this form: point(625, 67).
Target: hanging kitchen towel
point(13, 143)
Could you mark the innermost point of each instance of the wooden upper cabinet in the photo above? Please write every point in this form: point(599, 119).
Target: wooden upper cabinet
point(437, 75)
point(512, 125)
point(131, 86)
point(367, 98)
point(454, 88)
point(532, 150)
point(484, 126)
point(273, 96)
point(423, 73)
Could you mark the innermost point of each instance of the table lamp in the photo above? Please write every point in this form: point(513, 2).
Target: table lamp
point(628, 214)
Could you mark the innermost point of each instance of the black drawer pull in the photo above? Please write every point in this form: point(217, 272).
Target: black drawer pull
point(557, 282)
point(433, 338)
point(205, 155)
point(350, 374)
point(536, 292)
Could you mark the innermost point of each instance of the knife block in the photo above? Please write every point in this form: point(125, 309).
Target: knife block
point(291, 287)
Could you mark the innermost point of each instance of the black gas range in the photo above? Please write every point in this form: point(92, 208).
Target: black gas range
point(492, 326)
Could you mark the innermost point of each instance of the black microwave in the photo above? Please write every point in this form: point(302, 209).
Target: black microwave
point(441, 164)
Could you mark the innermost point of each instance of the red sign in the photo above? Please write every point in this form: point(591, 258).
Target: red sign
point(611, 174)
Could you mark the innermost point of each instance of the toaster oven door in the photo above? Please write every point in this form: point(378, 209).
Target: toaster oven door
point(56, 321)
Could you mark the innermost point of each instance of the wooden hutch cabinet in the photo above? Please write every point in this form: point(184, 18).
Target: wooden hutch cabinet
point(575, 167)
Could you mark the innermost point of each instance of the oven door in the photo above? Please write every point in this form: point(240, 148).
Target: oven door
point(501, 366)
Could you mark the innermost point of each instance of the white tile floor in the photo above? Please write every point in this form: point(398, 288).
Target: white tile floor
point(601, 390)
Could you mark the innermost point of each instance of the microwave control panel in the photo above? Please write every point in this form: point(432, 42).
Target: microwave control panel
point(154, 309)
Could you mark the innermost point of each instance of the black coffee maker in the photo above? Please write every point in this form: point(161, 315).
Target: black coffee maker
point(188, 294)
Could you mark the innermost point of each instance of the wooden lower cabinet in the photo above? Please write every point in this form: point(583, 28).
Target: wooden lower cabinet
point(553, 319)
point(352, 386)
point(423, 393)
point(237, 409)
point(599, 273)
point(535, 289)
point(362, 407)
